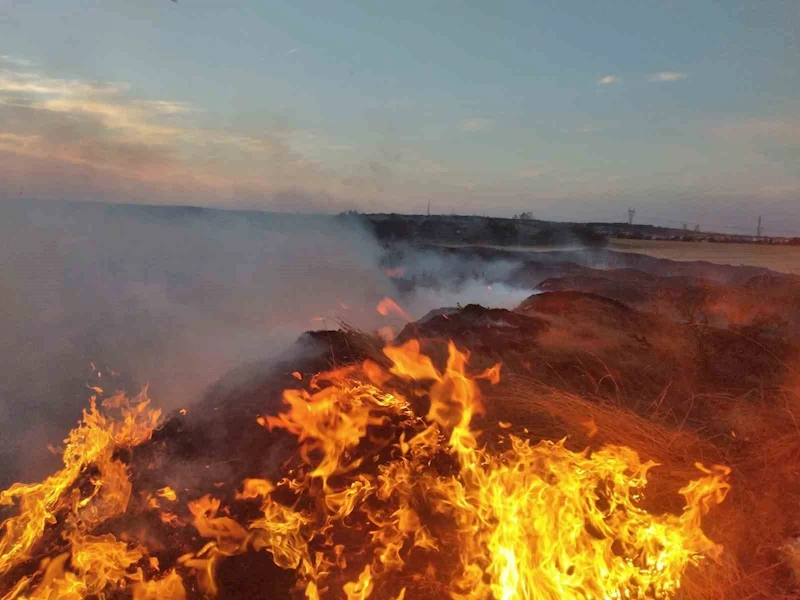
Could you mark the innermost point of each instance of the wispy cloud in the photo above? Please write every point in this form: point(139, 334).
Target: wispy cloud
point(166, 107)
point(531, 173)
point(10, 140)
point(30, 82)
point(103, 126)
point(780, 191)
point(84, 122)
point(127, 121)
point(669, 76)
point(536, 170)
point(430, 167)
point(786, 130)
point(17, 61)
point(608, 79)
point(476, 124)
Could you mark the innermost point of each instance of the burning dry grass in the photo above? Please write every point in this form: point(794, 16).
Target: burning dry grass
point(528, 492)
point(756, 433)
point(536, 411)
point(623, 400)
point(758, 522)
point(381, 497)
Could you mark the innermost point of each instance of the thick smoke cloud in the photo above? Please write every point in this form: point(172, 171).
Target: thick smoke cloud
point(177, 297)
point(173, 297)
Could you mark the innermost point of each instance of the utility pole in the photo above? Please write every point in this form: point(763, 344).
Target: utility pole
point(631, 214)
point(758, 229)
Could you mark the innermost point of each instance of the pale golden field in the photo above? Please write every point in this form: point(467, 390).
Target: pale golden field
point(784, 259)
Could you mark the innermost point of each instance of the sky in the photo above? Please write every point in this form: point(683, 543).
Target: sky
point(687, 111)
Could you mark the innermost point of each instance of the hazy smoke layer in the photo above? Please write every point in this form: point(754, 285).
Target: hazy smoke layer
point(473, 291)
point(171, 296)
point(177, 297)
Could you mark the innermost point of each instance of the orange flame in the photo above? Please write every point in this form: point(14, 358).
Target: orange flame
point(168, 493)
point(170, 586)
point(92, 443)
point(535, 521)
point(387, 306)
point(519, 521)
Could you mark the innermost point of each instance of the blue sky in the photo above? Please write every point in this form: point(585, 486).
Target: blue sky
point(572, 109)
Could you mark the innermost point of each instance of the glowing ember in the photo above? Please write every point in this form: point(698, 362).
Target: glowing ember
point(168, 493)
point(377, 499)
point(395, 272)
point(387, 306)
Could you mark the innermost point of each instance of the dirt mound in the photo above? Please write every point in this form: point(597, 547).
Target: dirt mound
point(576, 303)
point(768, 306)
point(586, 344)
point(484, 330)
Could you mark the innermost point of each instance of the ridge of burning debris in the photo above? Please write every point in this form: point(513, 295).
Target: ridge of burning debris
point(378, 502)
point(413, 469)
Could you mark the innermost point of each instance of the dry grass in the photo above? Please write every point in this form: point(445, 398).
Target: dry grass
point(761, 446)
point(784, 259)
point(755, 521)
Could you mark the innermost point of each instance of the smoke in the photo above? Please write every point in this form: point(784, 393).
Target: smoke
point(496, 295)
point(174, 297)
point(123, 295)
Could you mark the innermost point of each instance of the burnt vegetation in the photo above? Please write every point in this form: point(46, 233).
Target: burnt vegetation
point(475, 230)
point(525, 230)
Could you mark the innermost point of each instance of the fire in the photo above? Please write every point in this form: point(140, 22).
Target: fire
point(171, 586)
point(92, 443)
point(395, 272)
point(168, 493)
point(376, 498)
point(387, 306)
point(96, 562)
point(534, 521)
